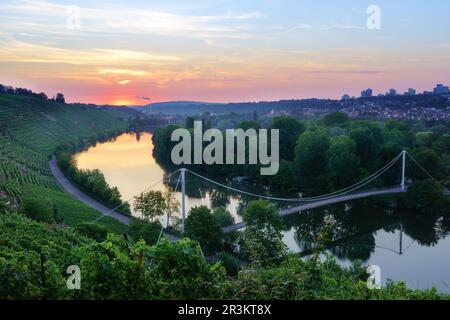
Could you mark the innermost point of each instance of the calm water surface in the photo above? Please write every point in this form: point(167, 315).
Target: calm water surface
point(413, 249)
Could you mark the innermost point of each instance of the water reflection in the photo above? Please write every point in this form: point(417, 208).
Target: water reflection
point(406, 246)
point(127, 162)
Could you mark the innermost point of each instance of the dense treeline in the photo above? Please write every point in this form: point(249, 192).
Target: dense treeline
point(332, 153)
point(91, 181)
point(29, 93)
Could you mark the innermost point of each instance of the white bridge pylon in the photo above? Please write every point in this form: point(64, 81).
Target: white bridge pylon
point(347, 194)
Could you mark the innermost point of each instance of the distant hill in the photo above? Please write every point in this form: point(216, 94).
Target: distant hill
point(179, 107)
point(123, 113)
point(195, 108)
point(292, 106)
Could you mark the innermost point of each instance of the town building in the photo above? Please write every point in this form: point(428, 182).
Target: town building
point(441, 89)
point(411, 92)
point(367, 93)
point(392, 92)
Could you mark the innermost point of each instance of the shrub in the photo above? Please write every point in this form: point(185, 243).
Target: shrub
point(179, 271)
point(37, 209)
point(230, 263)
point(144, 230)
point(261, 242)
point(202, 225)
point(224, 217)
point(93, 231)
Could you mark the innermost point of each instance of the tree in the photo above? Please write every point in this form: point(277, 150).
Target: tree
point(224, 217)
point(115, 197)
point(151, 204)
point(343, 161)
point(290, 130)
point(262, 240)
point(429, 160)
point(172, 205)
point(311, 160)
point(203, 226)
point(283, 180)
point(399, 133)
point(337, 131)
point(96, 182)
point(245, 125)
point(440, 129)
point(335, 118)
point(163, 145)
point(366, 145)
point(425, 197)
point(261, 213)
point(144, 230)
point(442, 144)
point(425, 139)
point(60, 98)
point(225, 124)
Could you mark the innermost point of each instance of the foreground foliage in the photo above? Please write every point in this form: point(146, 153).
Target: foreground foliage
point(34, 258)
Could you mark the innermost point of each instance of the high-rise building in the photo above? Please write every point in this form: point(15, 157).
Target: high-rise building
point(392, 92)
point(411, 92)
point(367, 93)
point(441, 89)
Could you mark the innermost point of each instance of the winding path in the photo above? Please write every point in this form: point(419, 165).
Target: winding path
point(69, 187)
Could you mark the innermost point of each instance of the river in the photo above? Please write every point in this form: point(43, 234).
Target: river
point(405, 247)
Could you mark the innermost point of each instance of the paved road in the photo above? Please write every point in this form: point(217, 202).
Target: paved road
point(74, 191)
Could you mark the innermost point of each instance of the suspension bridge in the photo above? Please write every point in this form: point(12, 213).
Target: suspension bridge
point(359, 190)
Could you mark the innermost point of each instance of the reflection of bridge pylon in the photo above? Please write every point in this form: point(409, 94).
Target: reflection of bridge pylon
point(400, 251)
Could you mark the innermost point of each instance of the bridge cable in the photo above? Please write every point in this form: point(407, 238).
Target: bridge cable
point(424, 170)
point(308, 199)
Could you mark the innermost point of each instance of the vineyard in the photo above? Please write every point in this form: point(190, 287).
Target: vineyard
point(30, 131)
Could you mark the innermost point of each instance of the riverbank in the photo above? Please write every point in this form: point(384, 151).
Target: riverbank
point(70, 188)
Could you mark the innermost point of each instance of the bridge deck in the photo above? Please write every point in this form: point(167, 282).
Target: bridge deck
point(321, 203)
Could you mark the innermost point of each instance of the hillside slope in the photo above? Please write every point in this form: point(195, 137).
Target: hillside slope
point(30, 130)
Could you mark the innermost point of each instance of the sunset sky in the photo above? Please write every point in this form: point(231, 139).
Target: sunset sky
point(126, 52)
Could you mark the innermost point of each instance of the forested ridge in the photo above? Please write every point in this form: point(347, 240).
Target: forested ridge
point(325, 155)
